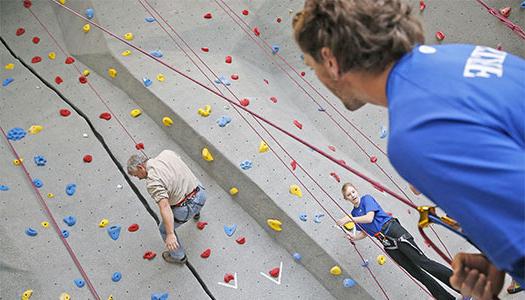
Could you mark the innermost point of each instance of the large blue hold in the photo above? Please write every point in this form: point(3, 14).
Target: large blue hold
point(70, 220)
point(114, 232)
point(80, 283)
point(157, 53)
point(16, 134)
point(4, 188)
point(159, 296)
point(90, 13)
point(230, 230)
point(40, 160)
point(116, 277)
point(246, 165)
point(147, 82)
point(223, 121)
point(71, 189)
point(348, 283)
point(31, 232)
point(38, 183)
point(7, 81)
point(150, 19)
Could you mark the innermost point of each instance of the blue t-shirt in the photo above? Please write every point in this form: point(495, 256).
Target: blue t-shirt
point(368, 204)
point(457, 133)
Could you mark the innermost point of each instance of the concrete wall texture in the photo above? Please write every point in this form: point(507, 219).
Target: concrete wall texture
point(276, 90)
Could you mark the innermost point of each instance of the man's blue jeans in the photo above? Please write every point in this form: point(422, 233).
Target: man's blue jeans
point(183, 214)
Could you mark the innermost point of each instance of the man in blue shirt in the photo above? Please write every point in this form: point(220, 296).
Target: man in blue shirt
point(397, 241)
point(457, 126)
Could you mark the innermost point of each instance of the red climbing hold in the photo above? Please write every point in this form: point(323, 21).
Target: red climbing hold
point(58, 80)
point(105, 115)
point(273, 99)
point(440, 36)
point(228, 59)
point(505, 11)
point(389, 213)
point(294, 165)
point(331, 148)
point(235, 76)
point(373, 159)
point(205, 49)
point(69, 60)
point(266, 81)
point(87, 158)
point(206, 253)
point(64, 112)
point(279, 20)
point(422, 5)
point(499, 47)
point(228, 277)
point(303, 73)
point(149, 255)
point(245, 12)
point(133, 227)
point(256, 31)
point(36, 40)
point(82, 79)
point(335, 176)
point(241, 240)
point(20, 31)
point(245, 102)
point(139, 146)
point(275, 272)
point(201, 225)
point(36, 59)
point(298, 124)
point(27, 3)
point(207, 16)
point(342, 162)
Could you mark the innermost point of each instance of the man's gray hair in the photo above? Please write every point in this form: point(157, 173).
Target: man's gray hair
point(135, 160)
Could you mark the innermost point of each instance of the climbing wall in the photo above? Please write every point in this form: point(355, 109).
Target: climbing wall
point(266, 230)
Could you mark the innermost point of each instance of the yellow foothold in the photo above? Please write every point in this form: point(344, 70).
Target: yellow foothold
point(103, 223)
point(160, 77)
point(206, 111)
point(17, 162)
point(381, 259)
point(65, 296)
point(27, 294)
point(167, 121)
point(128, 36)
point(126, 53)
point(335, 270)
point(86, 28)
point(9, 66)
point(206, 154)
point(50, 195)
point(296, 190)
point(275, 224)
point(63, 2)
point(52, 55)
point(110, 297)
point(135, 113)
point(263, 147)
point(112, 73)
point(349, 225)
point(234, 191)
point(34, 129)
point(86, 72)
point(45, 224)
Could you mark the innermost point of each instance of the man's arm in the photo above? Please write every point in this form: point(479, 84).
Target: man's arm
point(167, 218)
point(366, 219)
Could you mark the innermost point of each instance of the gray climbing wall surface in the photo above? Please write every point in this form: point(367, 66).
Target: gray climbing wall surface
point(205, 40)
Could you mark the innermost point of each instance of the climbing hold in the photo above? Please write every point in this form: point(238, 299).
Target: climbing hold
point(317, 218)
point(364, 264)
point(128, 36)
point(206, 154)
point(139, 146)
point(7, 81)
point(157, 53)
point(207, 16)
point(204, 112)
point(4, 188)
point(36, 40)
point(373, 159)
point(116, 277)
point(274, 272)
point(293, 164)
point(71, 189)
point(228, 277)
point(126, 53)
point(384, 132)
point(31, 232)
point(135, 113)
point(38, 183)
point(228, 59)
point(90, 13)
point(79, 283)
point(245, 12)
point(263, 147)
point(505, 11)
point(241, 240)
point(50, 195)
point(335, 176)
point(303, 74)
point(522, 5)
point(119, 186)
point(266, 81)
point(112, 73)
point(244, 102)
point(51, 55)
point(234, 191)
point(348, 283)
point(58, 80)
point(110, 297)
point(167, 121)
point(64, 112)
point(273, 99)
point(256, 31)
point(87, 158)
point(150, 19)
point(223, 121)
point(274, 224)
point(440, 36)
point(159, 296)
point(234, 76)
point(65, 233)
point(296, 190)
point(230, 230)
point(331, 148)
point(149, 255)
point(45, 224)
point(246, 165)
point(133, 227)
point(298, 124)
point(36, 59)
point(206, 253)
point(303, 217)
point(82, 79)
point(86, 28)
point(105, 115)
point(160, 77)
point(422, 5)
point(201, 225)
point(205, 49)
point(381, 259)
point(499, 47)
point(114, 232)
point(9, 66)
point(349, 226)
point(297, 256)
point(335, 270)
point(147, 82)
point(63, 2)
point(18, 162)
point(20, 31)
point(65, 296)
point(279, 20)
point(222, 80)
point(275, 49)
point(69, 60)
point(70, 220)
point(27, 293)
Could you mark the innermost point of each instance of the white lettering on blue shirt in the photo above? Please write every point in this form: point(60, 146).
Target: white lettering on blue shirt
point(484, 62)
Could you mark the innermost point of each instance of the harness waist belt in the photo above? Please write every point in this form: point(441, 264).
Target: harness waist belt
point(189, 196)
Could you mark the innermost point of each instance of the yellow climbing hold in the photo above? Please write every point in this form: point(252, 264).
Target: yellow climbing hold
point(263, 147)
point(112, 73)
point(27, 294)
point(45, 224)
point(275, 224)
point(381, 259)
point(335, 270)
point(206, 111)
point(135, 113)
point(206, 154)
point(34, 129)
point(9, 66)
point(167, 121)
point(65, 296)
point(128, 36)
point(86, 72)
point(234, 191)
point(296, 190)
point(126, 53)
point(50, 195)
point(63, 2)
point(110, 297)
point(349, 225)
point(52, 55)
point(103, 223)
point(86, 28)
point(17, 162)
point(160, 77)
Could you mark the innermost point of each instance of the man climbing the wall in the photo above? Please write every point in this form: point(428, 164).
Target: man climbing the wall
point(176, 190)
point(456, 113)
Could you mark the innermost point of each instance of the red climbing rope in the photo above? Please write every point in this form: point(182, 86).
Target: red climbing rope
point(53, 221)
point(517, 29)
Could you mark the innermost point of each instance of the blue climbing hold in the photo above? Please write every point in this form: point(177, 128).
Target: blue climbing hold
point(16, 134)
point(147, 82)
point(71, 189)
point(31, 232)
point(150, 19)
point(116, 277)
point(70, 220)
point(230, 230)
point(40, 160)
point(275, 49)
point(65, 233)
point(114, 232)
point(364, 264)
point(157, 53)
point(303, 217)
point(4, 188)
point(246, 165)
point(79, 283)
point(90, 13)
point(223, 80)
point(522, 5)
point(159, 296)
point(297, 257)
point(317, 218)
point(348, 282)
point(384, 132)
point(7, 81)
point(38, 183)
point(224, 120)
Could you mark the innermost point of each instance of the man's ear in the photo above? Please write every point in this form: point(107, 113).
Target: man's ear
point(330, 63)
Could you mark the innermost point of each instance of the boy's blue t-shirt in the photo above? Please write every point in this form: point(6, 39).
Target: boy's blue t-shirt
point(368, 204)
point(457, 133)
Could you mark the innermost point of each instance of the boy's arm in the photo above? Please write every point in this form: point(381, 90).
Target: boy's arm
point(366, 219)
